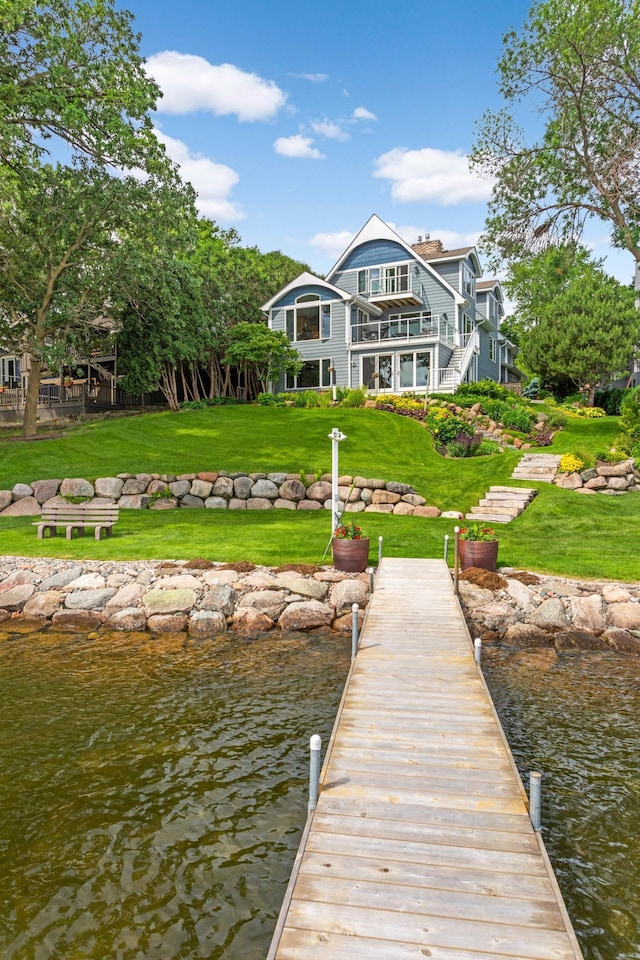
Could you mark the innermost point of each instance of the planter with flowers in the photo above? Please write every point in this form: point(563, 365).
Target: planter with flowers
point(478, 547)
point(350, 548)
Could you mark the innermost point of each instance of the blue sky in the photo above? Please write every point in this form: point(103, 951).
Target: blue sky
point(296, 121)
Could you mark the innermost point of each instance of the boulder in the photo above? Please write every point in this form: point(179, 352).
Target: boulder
point(21, 490)
point(577, 640)
point(133, 501)
point(61, 579)
point(264, 489)
point(180, 488)
point(306, 615)
point(358, 507)
point(5, 499)
point(612, 593)
point(77, 621)
point(16, 597)
point(25, 507)
point(623, 615)
point(621, 640)
point(346, 593)
point(235, 503)
point(403, 509)
point(216, 503)
point(550, 615)
point(201, 489)
point(293, 490)
point(208, 475)
point(168, 601)
point(380, 507)
point(309, 505)
point(128, 618)
point(301, 586)
point(474, 596)
point(400, 488)
point(206, 623)
point(89, 599)
point(158, 486)
point(88, 581)
point(259, 503)
point(320, 491)
point(167, 623)
point(220, 599)
point(280, 504)
point(192, 502)
point(223, 487)
point(385, 496)
point(426, 512)
point(349, 494)
point(270, 602)
point(127, 596)
point(570, 481)
point(242, 487)
point(615, 469)
point(496, 615)
point(109, 487)
point(180, 581)
point(527, 635)
point(519, 592)
point(414, 499)
point(248, 621)
point(588, 613)
point(164, 503)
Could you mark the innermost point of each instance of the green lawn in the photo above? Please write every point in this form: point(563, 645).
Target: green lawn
point(561, 532)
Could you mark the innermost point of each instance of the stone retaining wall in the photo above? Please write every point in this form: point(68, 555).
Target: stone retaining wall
point(529, 610)
point(199, 597)
point(614, 479)
point(220, 491)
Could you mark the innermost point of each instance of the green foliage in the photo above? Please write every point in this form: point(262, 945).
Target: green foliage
point(205, 402)
point(611, 400)
point(478, 533)
point(532, 389)
point(267, 400)
point(464, 445)
point(572, 68)
point(446, 427)
point(488, 447)
point(483, 388)
point(77, 499)
point(262, 353)
point(511, 416)
point(629, 422)
point(73, 70)
point(353, 397)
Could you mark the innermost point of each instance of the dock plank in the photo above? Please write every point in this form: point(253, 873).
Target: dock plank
point(421, 843)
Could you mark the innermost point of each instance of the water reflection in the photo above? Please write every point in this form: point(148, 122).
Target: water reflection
point(575, 717)
point(153, 792)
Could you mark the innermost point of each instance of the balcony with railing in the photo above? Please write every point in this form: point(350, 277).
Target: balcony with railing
point(430, 328)
point(395, 287)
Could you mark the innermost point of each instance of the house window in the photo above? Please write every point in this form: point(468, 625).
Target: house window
point(308, 320)
point(467, 328)
point(493, 349)
point(377, 371)
point(313, 374)
point(414, 369)
point(468, 282)
point(384, 280)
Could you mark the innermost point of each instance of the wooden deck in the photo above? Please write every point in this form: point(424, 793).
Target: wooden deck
point(421, 843)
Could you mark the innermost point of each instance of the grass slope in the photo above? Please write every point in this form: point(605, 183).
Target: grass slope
point(561, 532)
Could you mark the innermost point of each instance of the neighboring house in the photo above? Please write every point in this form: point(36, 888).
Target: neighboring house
point(395, 317)
point(9, 370)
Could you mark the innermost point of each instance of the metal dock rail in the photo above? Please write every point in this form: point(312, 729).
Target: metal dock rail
point(421, 843)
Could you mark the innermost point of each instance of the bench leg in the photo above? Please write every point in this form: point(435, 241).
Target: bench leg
point(42, 530)
point(71, 528)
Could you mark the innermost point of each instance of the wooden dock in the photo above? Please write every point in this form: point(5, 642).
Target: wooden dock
point(421, 843)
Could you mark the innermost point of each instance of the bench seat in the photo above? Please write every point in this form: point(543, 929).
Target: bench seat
point(76, 517)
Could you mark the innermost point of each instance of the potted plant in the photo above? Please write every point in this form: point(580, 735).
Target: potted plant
point(478, 547)
point(350, 548)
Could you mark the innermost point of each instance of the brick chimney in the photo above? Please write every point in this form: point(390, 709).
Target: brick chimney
point(428, 248)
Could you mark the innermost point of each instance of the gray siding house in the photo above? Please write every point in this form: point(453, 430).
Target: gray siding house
point(393, 317)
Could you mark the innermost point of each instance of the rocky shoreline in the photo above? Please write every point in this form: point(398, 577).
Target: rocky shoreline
point(198, 597)
point(523, 609)
point(203, 599)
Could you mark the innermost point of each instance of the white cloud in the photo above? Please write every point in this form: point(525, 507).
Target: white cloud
point(213, 182)
point(297, 146)
point(332, 244)
point(326, 128)
point(191, 83)
point(312, 77)
point(439, 176)
point(361, 113)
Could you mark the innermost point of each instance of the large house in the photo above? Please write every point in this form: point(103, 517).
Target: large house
point(391, 316)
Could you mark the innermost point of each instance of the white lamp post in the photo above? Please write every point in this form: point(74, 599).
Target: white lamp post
point(335, 436)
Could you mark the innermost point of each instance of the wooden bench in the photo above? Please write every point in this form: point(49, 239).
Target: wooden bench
point(76, 516)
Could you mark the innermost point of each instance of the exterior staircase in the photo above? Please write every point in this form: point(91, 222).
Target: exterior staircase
point(537, 466)
point(502, 504)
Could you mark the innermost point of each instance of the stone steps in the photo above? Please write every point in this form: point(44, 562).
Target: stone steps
point(537, 466)
point(502, 504)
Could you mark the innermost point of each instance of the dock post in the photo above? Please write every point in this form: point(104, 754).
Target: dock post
point(477, 649)
point(314, 771)
point(354, 629)
point(456, 561)
point(446, 547)
point(535, 799)
point(370, 572)
point(379, 550)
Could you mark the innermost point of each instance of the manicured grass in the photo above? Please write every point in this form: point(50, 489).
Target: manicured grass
point(561, 532)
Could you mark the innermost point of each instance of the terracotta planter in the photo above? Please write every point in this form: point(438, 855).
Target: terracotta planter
point(351, 556)
point(478, 553)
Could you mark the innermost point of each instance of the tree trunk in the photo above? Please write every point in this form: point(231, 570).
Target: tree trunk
point(31, 400)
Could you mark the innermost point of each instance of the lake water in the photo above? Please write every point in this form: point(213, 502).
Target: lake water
point(153, 794)
point(576, 717)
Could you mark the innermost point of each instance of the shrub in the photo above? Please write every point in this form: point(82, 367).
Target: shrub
point(488, 447)
point(354, 397)
point(267, 400)
point(610, 400)
point(483, 388)
point(446, 427)
point(588, 459)
point(556, 419)
point(464, 445)
point(543, 438)
point(629, 437)
point(532, 389)
point(570, 463)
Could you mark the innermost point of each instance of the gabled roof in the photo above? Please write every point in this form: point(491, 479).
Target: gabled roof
point(306, 279)
point(458, 254)
point(487, 284)
point(377, 229)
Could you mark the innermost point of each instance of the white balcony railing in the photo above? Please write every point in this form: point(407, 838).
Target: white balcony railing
point(409, 328)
